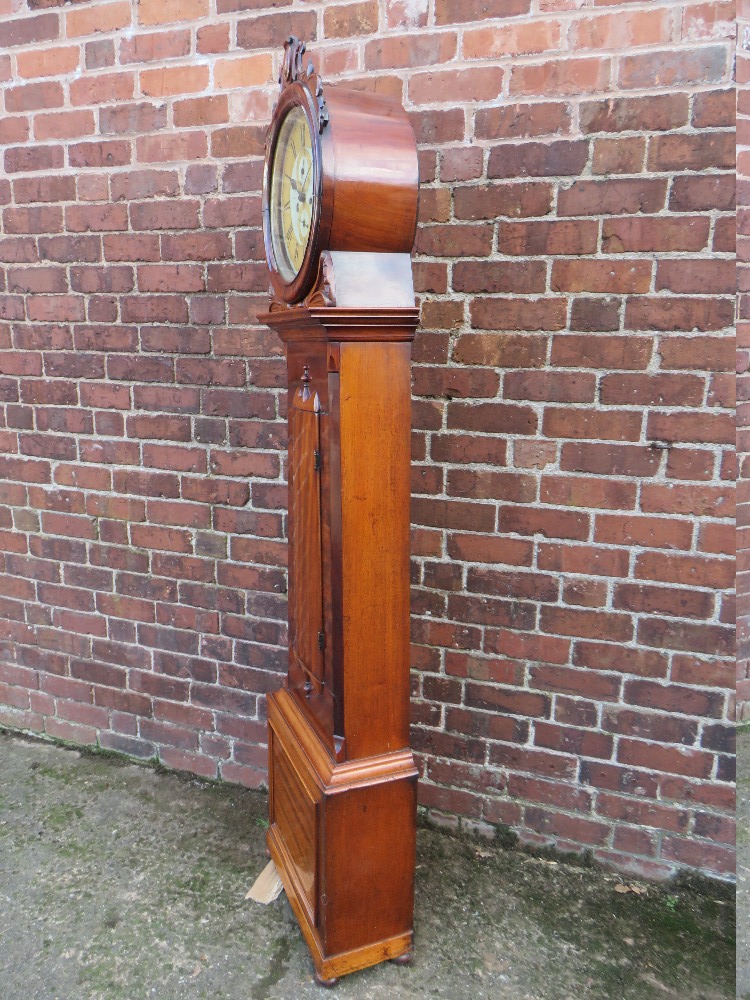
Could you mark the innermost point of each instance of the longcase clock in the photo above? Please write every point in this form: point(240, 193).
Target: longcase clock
point(340, 198)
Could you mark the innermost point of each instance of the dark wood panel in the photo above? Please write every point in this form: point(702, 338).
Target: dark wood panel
point(310, 670)
point(369, 855)
point(294, 815)
point(306, 594)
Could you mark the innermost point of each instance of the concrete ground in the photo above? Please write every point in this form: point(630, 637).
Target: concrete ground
point(743, 862)
point(118, 882)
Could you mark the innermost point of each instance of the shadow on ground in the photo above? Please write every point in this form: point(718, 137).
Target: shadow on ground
point(121, 883)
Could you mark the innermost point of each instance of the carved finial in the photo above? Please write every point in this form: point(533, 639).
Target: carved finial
point(291, 67)
point(304, 392)
point(292, 70)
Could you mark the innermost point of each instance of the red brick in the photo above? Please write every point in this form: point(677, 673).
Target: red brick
point(176, 146)
point(612, 197)
point(716, 428)
point(648, 235)
point(351, 19)
point(166, 11)
point(19, 158)
point(673, 601)
point(14, 129)
point(639, 530)
point(48, 62)
point(715, 108)
point(533, 761)
point(652, 390)
point(155, 46)
point(673, 313)
point(112, 153)
point(88, 89)
point(624, 276)
point(695, 193)
point(688, 852)
point(700, 353)
point(518, 314)
point(688, 570)
point(536, 159)
point(457, 11)
point(546, 386)
point(29, 30)
point(143, 184)
point(688, 152)
point(551, 522)
point(34, 96)
point(656, 112)
point(213, 37)
point(100, 53)
point(673, 760)
point(411, 49)
point(585, 491)
point(672, 69)
point(143, 117)
point(465, 85)
point(587, 624)
point(533, 586)
point(104, 18)
point(522, 120)
point(564, 76)
point(569, 422)
point(511, 200)
point(604, 656)
point(518, 39)
point(492, 417)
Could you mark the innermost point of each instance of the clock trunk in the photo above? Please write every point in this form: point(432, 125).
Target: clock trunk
point(342, 776)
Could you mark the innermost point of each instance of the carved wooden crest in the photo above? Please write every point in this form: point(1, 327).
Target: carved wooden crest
point(294, 71)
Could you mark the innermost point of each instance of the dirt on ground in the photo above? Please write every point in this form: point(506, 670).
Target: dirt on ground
point(120, 882)
point(743, 862)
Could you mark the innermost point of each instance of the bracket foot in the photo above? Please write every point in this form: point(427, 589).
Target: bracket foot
point(404, 959)
point(327, 983)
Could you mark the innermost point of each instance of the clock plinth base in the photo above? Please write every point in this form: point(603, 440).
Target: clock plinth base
point(342, 836)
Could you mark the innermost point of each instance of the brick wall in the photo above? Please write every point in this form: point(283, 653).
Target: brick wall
point(743, 361)
point(573, 432)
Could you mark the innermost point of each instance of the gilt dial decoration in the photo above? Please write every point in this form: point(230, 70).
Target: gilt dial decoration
point(292, 193)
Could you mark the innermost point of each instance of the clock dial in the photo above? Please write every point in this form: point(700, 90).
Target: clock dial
point(292, 193)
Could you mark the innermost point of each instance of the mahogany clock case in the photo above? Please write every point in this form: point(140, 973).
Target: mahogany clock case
point(365, 172)
point(342, 778)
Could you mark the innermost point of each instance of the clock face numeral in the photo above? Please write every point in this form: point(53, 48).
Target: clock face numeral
point(292, 199)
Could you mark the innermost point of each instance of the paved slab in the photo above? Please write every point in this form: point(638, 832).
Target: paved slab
point(121, 883)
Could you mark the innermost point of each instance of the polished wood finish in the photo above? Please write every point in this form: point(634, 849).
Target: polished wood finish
point(374, 415)
point(352, 889)
point(342, 777)
point(365, 171)
point(370, 152)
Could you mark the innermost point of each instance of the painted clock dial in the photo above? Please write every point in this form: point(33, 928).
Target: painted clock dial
point(292, 193)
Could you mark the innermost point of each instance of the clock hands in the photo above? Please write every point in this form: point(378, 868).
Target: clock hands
point(304, 189)
point(300, 194)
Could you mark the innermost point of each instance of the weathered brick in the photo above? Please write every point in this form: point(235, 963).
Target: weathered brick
point(29, 30)
point(573, 443)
